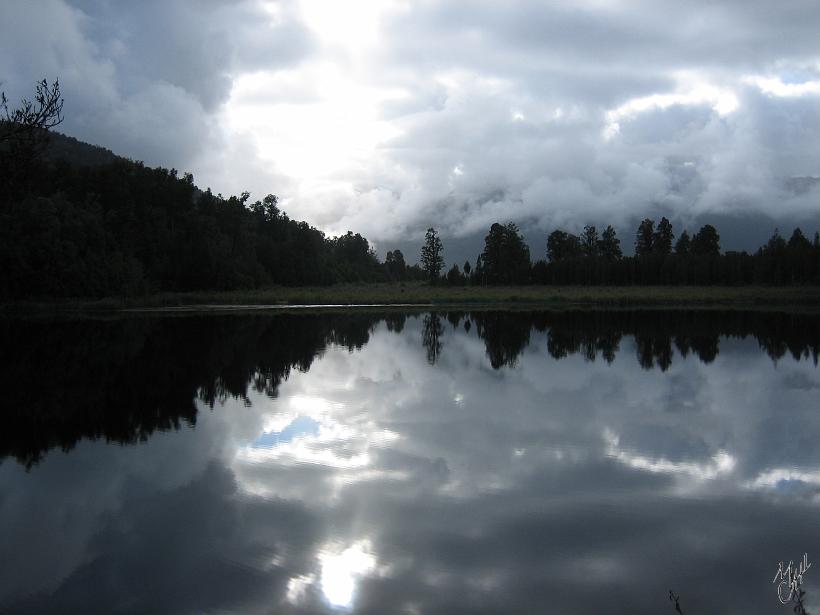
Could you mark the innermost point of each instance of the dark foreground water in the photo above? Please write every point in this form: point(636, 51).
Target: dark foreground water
point(485, 462)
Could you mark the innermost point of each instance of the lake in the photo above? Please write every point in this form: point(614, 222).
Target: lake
point(409, 462)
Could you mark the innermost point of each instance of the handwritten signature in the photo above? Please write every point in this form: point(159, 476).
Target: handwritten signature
point(791, 578)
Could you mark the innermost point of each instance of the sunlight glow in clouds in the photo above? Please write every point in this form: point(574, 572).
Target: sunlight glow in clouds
point(327, 128)
point(342, 570)
point(354, 26)
point(318, 141)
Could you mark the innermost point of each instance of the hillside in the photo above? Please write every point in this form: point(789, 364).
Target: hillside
point(63, 147)
point(78, 221)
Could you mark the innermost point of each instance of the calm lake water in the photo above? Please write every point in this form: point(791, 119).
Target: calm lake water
point(422, 463)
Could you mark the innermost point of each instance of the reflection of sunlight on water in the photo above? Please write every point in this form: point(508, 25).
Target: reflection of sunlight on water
point(313, 431)
point(340, 572)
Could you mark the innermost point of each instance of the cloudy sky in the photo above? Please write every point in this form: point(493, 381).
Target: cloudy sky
point(388, 116)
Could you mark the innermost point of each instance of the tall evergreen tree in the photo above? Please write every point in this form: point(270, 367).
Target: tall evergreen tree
point(645, 237)
point(662, 239)
point(798, 241)
point(609, 246)
point(683, 245)
point(454, 277)
point(706, 241)
point(776, 244)
point(431, 255)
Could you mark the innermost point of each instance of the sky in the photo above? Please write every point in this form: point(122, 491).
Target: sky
point(390, 116)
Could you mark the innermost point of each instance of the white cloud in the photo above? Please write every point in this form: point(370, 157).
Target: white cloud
point(387, 117)
point(776, 87)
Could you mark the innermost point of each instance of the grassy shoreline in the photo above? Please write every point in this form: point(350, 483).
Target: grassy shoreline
point(417, 294)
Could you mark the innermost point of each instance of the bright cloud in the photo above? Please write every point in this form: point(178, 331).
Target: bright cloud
point(385, 116)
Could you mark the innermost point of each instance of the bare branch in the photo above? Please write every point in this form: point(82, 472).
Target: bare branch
point(44, 113)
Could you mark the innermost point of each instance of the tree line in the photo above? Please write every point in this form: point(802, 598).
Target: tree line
point(125, 229)
point(597, 259)
point(78, 221)
point(75, 222)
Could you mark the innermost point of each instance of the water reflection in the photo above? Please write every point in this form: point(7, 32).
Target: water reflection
point(124, 379)
point(431, 336)
point(570, 461)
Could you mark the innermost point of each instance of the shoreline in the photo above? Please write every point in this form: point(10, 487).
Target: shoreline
point(420, 295)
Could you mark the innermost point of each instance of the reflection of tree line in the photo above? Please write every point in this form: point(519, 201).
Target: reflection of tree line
point(124, 379)
point(598, 333)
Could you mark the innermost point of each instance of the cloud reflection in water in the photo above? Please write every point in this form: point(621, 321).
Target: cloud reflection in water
point(374, 481)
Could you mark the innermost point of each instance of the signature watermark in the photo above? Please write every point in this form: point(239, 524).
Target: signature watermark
point(790, 579)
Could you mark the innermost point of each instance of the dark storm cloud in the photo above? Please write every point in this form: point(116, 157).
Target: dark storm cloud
point(637, 36)
point(145, 78)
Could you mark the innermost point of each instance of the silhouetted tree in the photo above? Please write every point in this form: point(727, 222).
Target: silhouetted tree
point(589, 241)
point(31, 117)
point(354, 259)
point(776, 245)
point(682, 246)
point(454, 277)
point(662, 239)
point(431, 255)
point(505, 335)
point(562, 245)
point(798, 241)
point(644, 238)
point(706, 242)
point(609, 247)
point(395, 265)
point(506, 256)
point(432, 330)
point(395, 321)
point(24, 135)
